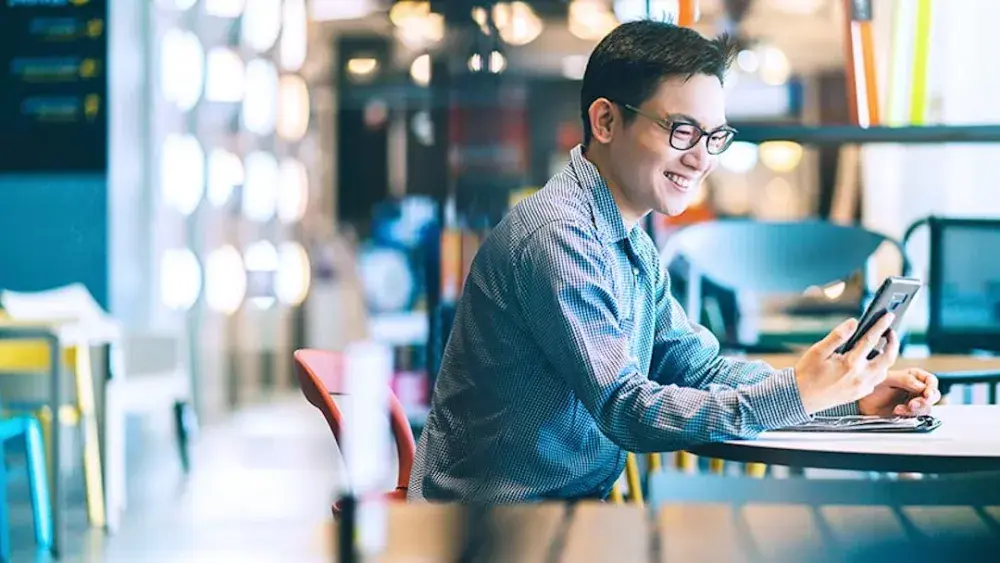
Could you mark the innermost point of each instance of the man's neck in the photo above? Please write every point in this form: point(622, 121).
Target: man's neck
point(598, 157)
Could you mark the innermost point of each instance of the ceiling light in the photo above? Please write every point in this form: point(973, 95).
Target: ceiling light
point(291, 284)
point(294, 35)
point(224, 8)
point(225, 173)
point(420, 70)
point(182, 172)
point(660, 10)
point(497, 62)
point(405, 12)
point(739, 158)
point(747, 61)
point(419, 34)
point(517, 22)
point(261, 186)
point(180, 278)
point(261, 98)
point(362, 68)
point(774, 66)
point(182, 68)
point(293, 112)
point(224, 81)
point(334, 10)
point(590, 19)
point(780, 156)
point(261, 24)
point(293, 195)
point(225, 280)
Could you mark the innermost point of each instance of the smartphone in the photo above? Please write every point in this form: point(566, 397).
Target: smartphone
point(893, 296)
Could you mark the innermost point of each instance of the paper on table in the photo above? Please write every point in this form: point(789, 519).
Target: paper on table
point(864, 424)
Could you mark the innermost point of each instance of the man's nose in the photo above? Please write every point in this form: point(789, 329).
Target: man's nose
point(697, 157)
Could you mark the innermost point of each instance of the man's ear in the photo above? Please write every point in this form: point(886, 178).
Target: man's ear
point(602, 115)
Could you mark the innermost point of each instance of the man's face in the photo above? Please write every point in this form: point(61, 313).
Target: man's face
point(650, 172)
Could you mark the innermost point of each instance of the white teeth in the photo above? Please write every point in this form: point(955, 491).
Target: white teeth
point(680, 181)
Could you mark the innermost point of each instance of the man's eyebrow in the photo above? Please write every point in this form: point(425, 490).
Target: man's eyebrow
point(685, 118)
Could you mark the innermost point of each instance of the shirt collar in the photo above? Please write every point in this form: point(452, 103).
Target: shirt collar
point(607, 217)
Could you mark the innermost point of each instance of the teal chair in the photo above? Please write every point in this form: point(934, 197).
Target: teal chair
point(774, 257)
point(27, 431)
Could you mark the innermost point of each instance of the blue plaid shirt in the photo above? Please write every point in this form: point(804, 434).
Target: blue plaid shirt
point(568, 350)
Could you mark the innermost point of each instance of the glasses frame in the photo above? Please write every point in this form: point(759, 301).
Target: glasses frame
point(670, 126)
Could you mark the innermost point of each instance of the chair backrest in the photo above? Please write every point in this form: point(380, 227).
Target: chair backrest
point(773, 257)
point(320, 376)
point(963, 283)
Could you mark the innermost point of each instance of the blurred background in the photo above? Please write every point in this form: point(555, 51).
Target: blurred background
point(200, 187)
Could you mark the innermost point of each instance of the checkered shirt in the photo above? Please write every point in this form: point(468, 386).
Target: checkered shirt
point(568, 350)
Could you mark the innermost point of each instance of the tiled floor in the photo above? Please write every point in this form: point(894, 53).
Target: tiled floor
point(260, 489)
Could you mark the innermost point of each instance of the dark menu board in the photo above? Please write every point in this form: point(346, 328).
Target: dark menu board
point(53, 86)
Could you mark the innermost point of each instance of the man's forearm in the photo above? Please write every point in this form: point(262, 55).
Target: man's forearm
point(642, 416)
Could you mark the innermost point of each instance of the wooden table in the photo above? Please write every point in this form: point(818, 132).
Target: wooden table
point(967, 441)
point(690, 533)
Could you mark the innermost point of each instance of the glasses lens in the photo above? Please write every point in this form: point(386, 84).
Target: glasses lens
point(719, 141)
point(684, 136)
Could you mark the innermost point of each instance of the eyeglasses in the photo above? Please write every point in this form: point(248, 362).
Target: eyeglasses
point(684, 135)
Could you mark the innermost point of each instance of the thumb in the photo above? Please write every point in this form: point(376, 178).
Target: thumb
point(836, 338)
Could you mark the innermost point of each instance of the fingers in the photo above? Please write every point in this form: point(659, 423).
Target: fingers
point(924, 382)
point(837, 337)
point(890, 353)
point(915, 407)
point(931, 391)
point(871, 338)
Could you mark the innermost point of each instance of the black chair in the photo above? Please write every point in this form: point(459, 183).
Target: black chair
point(963, 284)
point(774, 257)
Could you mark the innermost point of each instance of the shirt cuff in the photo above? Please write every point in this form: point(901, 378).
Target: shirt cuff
point(849, 409)
point(777, 402)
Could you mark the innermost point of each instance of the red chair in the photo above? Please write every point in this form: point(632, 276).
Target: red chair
point(320, 375)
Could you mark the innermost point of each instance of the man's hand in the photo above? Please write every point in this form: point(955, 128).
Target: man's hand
point(827, 379)
point(909, 392)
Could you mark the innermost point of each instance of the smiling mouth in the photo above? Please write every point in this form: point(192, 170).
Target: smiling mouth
point(680, 182)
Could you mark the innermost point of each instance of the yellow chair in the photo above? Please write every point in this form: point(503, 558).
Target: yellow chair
point(634, 481)
point(25, 357)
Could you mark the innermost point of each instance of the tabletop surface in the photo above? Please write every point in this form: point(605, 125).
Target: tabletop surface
point(966, 430)
point(966, 441)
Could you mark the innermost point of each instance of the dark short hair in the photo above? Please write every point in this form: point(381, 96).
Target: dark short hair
point(628, 65)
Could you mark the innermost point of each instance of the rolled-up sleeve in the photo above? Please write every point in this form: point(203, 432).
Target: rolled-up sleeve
point(563, 284)
point(687, 354)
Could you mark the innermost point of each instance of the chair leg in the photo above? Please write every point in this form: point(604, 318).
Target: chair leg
point(616, 494)
point(185, 426)
point(686, 462)
point(38, 483)
point(5, 547)
point(44, 416)
point(93, 472)
point(634, 481)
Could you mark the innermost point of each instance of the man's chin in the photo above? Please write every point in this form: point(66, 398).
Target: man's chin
point(673, 209)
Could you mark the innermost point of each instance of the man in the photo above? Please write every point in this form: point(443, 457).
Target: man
point(568, 349)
